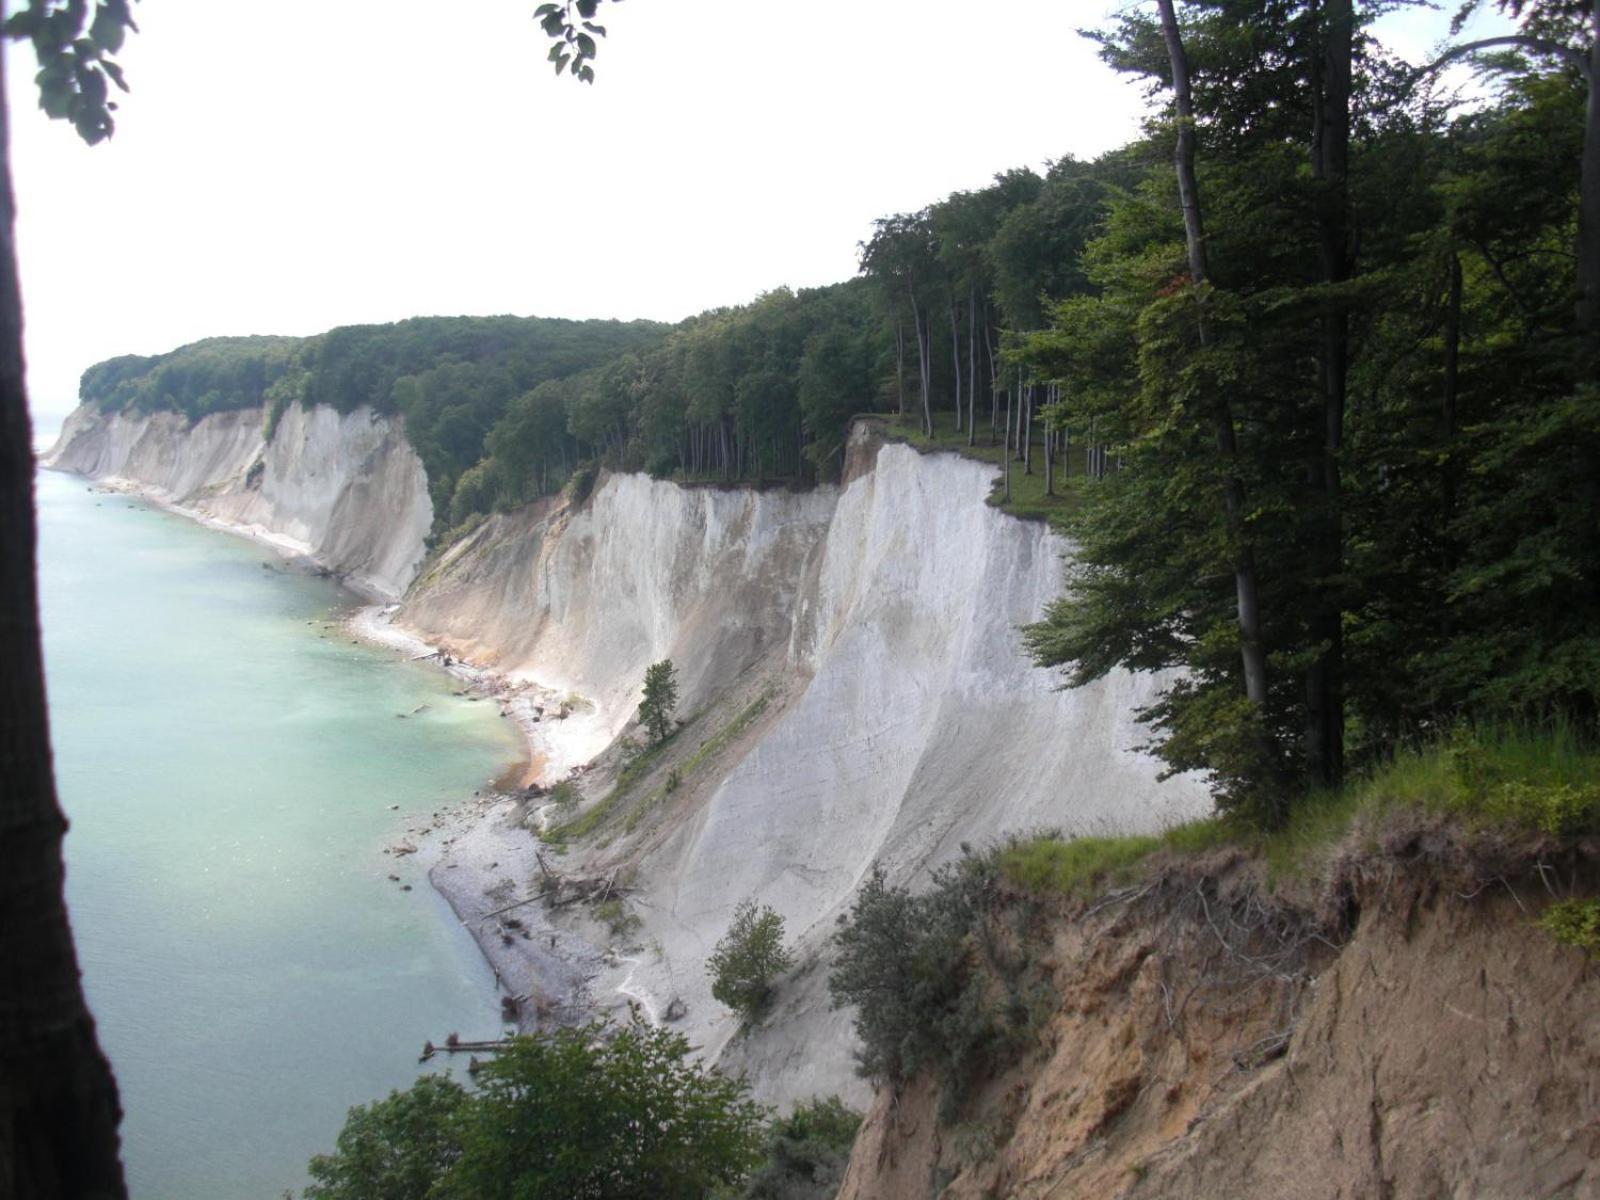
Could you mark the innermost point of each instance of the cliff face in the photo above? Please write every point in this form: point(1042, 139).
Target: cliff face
point(850, 676)
point(873, 628)
point(346, 492)
point(1440, 1047)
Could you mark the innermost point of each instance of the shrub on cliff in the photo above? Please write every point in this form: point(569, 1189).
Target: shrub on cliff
point(939, 984)
point(591, 1112)
point(748, 958)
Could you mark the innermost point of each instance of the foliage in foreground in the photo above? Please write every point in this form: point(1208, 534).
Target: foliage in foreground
point(750, 956)
point(806, 1153)
point(574, 1114)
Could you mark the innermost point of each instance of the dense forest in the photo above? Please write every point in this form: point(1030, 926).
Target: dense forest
point(1322, 334)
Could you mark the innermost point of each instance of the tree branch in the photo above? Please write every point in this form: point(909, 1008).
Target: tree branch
point(1538, 45)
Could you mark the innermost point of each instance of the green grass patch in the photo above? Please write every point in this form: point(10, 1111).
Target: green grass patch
point(1536, 779)
point(1510, 779)
point(711, 745)
point(1047, 864)
point(637, 768)
point(1050, 864)
point(640, 765)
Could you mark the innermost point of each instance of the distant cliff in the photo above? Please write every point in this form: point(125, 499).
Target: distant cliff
point(345, 492)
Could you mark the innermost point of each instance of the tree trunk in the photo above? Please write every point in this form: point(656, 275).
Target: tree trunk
point(1589, 203)
point(1049, 462)
point(1247, 594)
point(923, 363)
point(1324, 740)
point(994, 379)
point(58, 1101)
point(955, 356)
point(900, 364)
point(1027, 433)
point(972, 363)
point(1006, 457)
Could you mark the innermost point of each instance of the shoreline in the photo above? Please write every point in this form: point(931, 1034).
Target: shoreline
point(487, 860)
point(472, 852)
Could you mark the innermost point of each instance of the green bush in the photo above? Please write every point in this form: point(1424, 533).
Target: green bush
point(748, 958)
point(591, 1114)
point(806, 1153)
point(1574, 923)
point(937, 983)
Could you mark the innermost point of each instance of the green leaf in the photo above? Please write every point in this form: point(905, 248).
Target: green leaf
point(586, 8)
point(109, 28)
point(585, 45)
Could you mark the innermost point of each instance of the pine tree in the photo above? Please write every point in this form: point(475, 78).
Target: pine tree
point(660, 699)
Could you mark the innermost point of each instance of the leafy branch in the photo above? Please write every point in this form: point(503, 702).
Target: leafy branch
point(75, 49)
point(572, 30)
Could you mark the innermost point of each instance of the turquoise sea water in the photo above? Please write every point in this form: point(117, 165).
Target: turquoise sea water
point(230, 768)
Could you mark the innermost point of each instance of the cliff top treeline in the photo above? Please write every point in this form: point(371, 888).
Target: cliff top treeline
point(1338, 411)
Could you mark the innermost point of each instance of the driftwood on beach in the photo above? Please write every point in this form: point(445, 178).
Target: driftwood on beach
point(454, 1045)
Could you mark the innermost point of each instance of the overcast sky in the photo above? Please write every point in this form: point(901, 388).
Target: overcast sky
point(289, 167)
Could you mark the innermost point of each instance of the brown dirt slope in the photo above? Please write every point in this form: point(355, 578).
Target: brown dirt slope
point(1423, 1041)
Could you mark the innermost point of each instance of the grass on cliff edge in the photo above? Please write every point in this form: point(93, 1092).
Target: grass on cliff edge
point(1543, 780)
point(1028, 500)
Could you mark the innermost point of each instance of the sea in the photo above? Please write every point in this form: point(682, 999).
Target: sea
point(234, 767)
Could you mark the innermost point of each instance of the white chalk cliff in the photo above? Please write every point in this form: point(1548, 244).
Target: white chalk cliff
point(867, 631)
point(346, 492)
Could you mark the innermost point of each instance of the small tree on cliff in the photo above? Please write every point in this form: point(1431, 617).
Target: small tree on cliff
point(660, 699)
point(748, 958)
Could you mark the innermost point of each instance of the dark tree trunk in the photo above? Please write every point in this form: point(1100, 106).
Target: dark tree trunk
point(994, 379)
point(900, 364)
point(1589, 202)
point(1006, 457)
point(1247, 594)
point(972, 363)
point(923, 363)
point(1049, 461)
point(1324, 739)
point(955, 357)
point(1027, 431)
point(58, 1101)
point(1452, 386)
